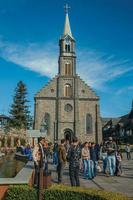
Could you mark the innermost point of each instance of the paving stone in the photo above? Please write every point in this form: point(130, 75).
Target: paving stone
point(122, 184)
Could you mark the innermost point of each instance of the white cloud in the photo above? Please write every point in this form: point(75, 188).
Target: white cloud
point(124, 90)
point(95, 68)
point(98, 68)
point(130, 88)
point(38, 58)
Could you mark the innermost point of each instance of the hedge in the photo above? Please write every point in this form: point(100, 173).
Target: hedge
point(21, 192)
point(61, 192)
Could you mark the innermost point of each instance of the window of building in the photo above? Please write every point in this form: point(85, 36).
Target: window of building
point(67, 90)
point(67, 45)
point(67, 48)
point(83, 91)
point(52, 90)
point(68, 108)
point(68, 70)
point(88, 123)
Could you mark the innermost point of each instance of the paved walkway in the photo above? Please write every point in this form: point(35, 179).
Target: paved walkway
point(122, 184)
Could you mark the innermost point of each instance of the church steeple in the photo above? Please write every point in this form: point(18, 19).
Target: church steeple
point(67, 28)
point(67, 58)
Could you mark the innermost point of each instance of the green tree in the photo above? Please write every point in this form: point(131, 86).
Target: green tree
point(20, 114)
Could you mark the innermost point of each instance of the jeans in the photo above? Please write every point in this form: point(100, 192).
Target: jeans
point(128, 155)
point(74, 175)
point(112, 164)
point(60, 169)
point(55, 158)
point(85, 167)
point(90, 169)
point(45, 168)
point(94, 168)
point(104, 158)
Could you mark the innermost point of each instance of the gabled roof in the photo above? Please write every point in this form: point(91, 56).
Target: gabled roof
point(2, 116)
point(110, 121)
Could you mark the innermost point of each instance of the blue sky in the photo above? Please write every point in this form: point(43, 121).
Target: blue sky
point(29, 35)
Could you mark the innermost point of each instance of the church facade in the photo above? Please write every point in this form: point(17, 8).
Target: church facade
point(67, 106)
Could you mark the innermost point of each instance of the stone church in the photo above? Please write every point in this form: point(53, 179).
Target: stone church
point(67, 106)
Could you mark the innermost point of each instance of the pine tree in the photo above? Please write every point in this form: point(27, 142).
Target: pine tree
point(20, 114)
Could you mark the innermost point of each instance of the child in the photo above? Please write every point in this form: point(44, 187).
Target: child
point(118, 163)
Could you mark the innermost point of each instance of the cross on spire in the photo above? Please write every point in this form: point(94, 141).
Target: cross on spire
point(66, 7)
point(67, 28)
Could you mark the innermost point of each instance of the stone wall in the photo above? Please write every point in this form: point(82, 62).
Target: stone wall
point(84, 100)
point(45, 106)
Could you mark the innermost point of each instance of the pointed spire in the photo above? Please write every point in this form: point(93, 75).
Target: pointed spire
point(67, 28)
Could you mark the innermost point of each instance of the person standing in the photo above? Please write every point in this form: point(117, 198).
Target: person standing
point(55, 153)
point(47, 153)
point(39, 160)
point(94, 158)
point(128, 151)
point(28, 152)
point(74, 155)
point(85, 155)
point(118, 163)
point(61, 160)
point(67, 145)
point(111, 149)
point(103, 156)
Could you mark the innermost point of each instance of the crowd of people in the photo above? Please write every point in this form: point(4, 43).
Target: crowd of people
point(86, 158)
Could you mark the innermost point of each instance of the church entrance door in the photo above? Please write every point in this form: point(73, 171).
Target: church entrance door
point(68, 134)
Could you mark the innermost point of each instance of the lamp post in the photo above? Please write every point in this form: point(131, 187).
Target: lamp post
point(43, 129)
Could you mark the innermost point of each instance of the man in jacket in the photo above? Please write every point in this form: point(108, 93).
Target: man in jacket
point(55, 153)
point(61, 160)
point(39, 159)
point(74, 155)
point(94, 157)
point(111, 149)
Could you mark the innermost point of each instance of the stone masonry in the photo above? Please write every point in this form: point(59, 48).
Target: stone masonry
point(68, 100)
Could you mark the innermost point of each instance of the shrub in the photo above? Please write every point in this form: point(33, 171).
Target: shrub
point(21, 192)
point(72, 193)
point(60, 192)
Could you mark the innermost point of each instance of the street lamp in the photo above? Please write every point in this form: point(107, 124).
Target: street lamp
point(43, 127)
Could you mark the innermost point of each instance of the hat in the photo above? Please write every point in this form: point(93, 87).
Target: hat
point(110, 138)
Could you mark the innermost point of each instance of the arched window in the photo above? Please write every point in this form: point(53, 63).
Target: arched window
point(67, 45)
point(68, 69)
point(67, 48)
point(67, 90)
point(88, 123)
